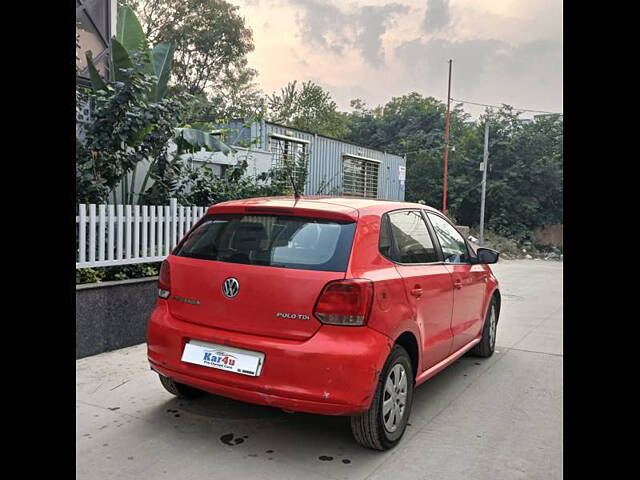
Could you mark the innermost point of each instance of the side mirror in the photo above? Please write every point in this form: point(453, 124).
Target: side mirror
point(486, 255)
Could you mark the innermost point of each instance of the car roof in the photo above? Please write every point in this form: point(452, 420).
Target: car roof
point(329, 204)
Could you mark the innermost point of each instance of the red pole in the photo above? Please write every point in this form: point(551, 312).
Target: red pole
point(446, 144)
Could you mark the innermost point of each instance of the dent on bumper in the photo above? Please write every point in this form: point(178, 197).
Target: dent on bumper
point(335, 372)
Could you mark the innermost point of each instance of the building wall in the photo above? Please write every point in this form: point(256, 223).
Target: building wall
point(325, 164)
point(324, 167)
point(113, 315)
point(258, 161)
point(326, 157)
point(549, 235)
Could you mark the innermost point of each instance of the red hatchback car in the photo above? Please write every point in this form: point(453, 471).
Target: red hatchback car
point(334, 306)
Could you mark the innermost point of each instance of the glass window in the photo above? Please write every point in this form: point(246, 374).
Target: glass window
point(92, 29)
point(454, 248)
point(269, 240)
point(411, 239)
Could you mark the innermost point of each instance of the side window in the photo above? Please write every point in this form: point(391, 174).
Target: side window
point(454, 248)
point(407, 238)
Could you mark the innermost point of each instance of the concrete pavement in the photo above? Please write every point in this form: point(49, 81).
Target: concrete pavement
point(496, 418)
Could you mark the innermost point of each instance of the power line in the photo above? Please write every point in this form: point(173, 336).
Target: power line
point(502, 106)
point(421, 150)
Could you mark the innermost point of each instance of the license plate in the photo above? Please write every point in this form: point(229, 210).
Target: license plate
point(223, 357)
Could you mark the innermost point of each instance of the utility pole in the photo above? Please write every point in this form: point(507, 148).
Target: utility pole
point(446, 144)
point(485, 163)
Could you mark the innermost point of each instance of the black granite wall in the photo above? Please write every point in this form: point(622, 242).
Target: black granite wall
point(113, 315)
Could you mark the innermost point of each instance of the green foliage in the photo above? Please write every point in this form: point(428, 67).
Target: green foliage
point(97, 81)
point(210, 36)
point(130, 46)
point(308, 108)
point(129, 32)
point(193, 139)
point(293, 172)
point(118, 272)
point(126, 128)
point(162, 59)
point(120, 61)
point(510, 248)
point(524, 183)
point(207, 189)
point(133, 122)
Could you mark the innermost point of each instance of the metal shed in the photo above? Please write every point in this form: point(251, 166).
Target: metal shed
point(333, 166)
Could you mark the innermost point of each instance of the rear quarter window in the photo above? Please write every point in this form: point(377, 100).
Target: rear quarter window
point(405, 238)
point(271, 240)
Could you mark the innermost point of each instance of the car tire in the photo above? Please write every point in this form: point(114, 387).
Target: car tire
point(371, 428)
point(180, 390)
point(488, 341)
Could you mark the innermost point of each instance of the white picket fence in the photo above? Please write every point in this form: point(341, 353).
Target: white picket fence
point(126, 234)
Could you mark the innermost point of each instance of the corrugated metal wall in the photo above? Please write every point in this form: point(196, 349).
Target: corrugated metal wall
point(326, 157)
point(325, 164)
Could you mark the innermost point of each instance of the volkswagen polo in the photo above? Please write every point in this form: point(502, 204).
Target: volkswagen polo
point(333, 306)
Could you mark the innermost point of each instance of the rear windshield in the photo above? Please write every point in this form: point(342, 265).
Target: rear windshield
point(270, 240)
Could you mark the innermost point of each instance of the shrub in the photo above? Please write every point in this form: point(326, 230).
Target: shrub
point(117, 272)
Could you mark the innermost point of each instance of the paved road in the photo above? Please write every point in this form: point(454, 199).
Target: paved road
point(497, 418)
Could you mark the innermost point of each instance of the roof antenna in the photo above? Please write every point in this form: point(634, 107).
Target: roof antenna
point(296, 193)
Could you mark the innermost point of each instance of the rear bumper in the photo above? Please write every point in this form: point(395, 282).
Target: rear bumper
point(334, 372)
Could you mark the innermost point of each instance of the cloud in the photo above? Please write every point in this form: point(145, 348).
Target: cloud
point(484, 67)
point(508, 51)
point(437, 15)
point(326, 26)
point(323, 25)
point(375, 20)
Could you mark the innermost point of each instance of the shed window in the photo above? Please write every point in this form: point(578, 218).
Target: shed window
point(291, 156)
point(360, 177)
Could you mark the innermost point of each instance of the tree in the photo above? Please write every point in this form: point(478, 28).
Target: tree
point(126, 128)
point(211, 40)
point(308, 108)
point(412, 125)
point(236, 97)
point(524, 186)
point(133, 121)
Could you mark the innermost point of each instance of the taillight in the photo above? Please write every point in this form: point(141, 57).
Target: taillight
point(345, 302)
point(164, 280)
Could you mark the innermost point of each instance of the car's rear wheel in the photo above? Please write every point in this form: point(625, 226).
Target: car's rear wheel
point(179, 389)
point(383, 425)
point(488, 341)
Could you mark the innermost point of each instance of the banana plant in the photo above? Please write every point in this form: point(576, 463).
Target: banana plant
point(192, 140)
point(131, 41)
point(128, 44)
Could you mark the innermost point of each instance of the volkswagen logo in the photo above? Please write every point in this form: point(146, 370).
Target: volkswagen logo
point(230, 287)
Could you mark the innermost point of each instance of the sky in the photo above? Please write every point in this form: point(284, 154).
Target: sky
point(503, 51)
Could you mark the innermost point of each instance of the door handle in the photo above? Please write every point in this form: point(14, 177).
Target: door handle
point(457, 284)
point(416, 291)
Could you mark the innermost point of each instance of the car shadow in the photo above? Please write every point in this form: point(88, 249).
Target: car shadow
point(255, 429)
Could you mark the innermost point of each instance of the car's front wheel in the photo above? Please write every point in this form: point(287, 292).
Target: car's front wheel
point(382, 426)
point(179, 389)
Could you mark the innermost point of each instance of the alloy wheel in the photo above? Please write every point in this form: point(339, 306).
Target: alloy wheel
point(394, 398)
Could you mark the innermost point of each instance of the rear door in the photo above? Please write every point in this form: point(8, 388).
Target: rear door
point(275, 265)
point(469, 282)
point(427, 281)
